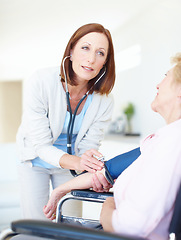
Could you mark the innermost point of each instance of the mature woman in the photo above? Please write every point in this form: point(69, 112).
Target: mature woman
point(145, 192)
point(88, 65)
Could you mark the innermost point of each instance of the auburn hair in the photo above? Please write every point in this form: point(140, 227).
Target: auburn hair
point(106, 83)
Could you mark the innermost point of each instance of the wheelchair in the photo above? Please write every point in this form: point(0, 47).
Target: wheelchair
point(71, 228)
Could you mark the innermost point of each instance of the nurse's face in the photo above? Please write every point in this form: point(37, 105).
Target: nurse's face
point(89, 56)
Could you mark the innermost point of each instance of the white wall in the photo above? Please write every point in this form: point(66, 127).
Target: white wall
point(34, 34)
point(157, 32)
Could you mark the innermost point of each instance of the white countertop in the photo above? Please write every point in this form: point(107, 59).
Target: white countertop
point(115, 144)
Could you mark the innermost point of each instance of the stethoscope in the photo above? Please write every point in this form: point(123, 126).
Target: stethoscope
point(73, 115)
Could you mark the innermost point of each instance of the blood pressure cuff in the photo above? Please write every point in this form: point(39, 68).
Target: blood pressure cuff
point(118, 164)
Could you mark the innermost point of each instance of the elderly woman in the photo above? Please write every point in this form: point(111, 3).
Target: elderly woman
point(145, 192)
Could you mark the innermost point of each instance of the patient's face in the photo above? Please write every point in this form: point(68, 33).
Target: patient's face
point(166, 97)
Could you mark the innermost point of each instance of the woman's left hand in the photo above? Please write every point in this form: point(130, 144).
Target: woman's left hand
point(50, 209)
point(100, 183)
point(89, 161)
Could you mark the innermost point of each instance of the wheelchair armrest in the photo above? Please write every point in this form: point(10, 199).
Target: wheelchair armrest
point(91, 194)
point(61, 231)
point(82, 195)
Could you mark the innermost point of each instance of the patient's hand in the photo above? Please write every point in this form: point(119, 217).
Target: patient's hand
point(99, 182)
point(50, 209)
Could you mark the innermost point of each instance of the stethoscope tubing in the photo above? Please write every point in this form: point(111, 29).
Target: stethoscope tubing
point(73, 115)
point(71, 121)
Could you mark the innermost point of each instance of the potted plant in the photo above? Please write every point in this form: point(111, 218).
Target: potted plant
point(129, 112)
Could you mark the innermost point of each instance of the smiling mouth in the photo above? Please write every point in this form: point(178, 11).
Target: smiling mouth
point(87, 68)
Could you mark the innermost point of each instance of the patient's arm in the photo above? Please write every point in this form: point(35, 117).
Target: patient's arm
point(106, 214)
point(97, 181)
point(115, 167)
point(83, 181)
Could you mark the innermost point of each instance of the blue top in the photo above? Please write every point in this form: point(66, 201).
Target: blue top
point(119, 163)
point(61, 142)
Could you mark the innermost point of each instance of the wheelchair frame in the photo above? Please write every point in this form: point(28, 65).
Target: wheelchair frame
point(72, 232)
point(81, 195)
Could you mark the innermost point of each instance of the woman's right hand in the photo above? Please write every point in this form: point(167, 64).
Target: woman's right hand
point(89, 161)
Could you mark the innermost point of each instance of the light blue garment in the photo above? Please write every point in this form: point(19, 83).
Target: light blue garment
point(61, 142)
